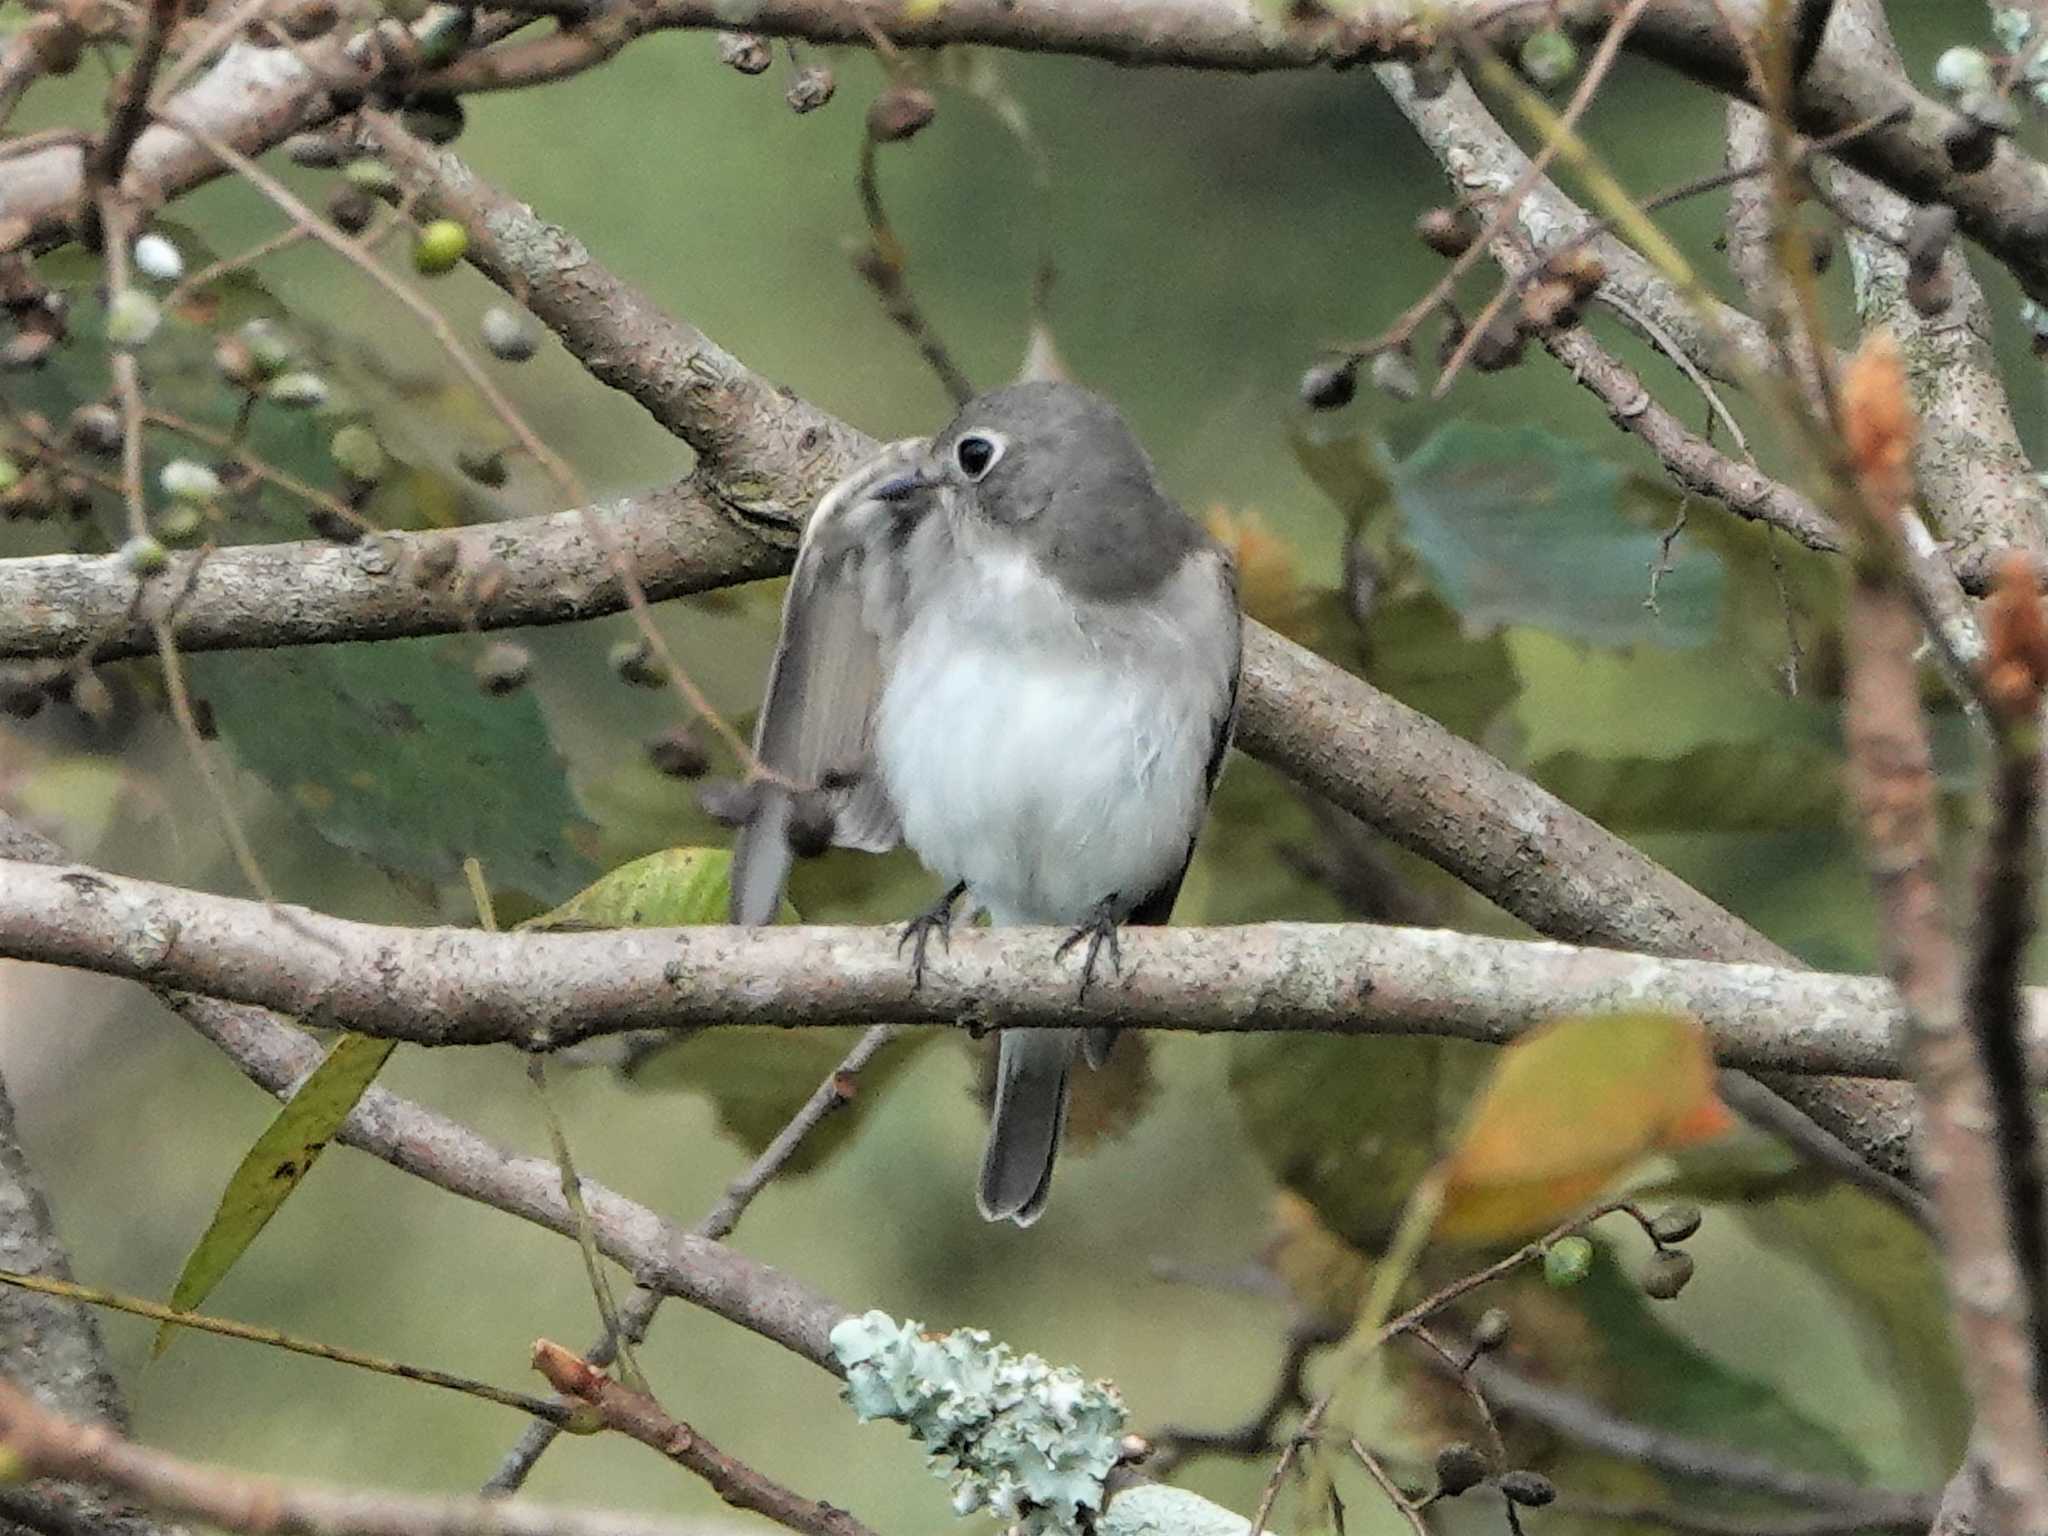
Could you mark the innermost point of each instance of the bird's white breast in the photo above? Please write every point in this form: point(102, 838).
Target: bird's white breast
point(1052, 753)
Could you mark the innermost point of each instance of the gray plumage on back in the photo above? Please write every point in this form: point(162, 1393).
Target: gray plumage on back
point(1028, 656)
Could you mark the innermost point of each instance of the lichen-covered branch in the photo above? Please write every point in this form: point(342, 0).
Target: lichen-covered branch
point(541, 991)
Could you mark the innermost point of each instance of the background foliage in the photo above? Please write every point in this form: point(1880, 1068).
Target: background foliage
point(1211, 232)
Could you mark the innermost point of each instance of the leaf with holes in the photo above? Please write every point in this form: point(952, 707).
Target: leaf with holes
point(275, 1166)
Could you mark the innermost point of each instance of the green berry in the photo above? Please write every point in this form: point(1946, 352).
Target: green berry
point(361, 457)
point(371, 175)
point(189, 480)
point(439, 247)
point(1549, 57)
point(180, 524)
point(1567, 1261)
point(132, 318)
point(1491, 1331)
point(144, 556)
point(269, 349)
point(297, 391)
point(10, 473)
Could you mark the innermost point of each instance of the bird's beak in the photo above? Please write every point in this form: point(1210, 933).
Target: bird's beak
point(902, 486)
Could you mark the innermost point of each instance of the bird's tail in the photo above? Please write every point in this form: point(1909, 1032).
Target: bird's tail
point(1024, 1135)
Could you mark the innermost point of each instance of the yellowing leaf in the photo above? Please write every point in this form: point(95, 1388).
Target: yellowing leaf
point(275, 1166)
point(1570, 1108)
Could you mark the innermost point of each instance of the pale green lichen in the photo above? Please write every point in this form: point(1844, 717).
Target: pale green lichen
point(1029, 1440)
point(1157, 1510)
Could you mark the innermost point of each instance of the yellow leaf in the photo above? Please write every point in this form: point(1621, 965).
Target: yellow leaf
point(1268, 583)
point(1568, 1110)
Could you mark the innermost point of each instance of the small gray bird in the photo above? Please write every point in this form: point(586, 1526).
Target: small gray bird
point(1007, 648)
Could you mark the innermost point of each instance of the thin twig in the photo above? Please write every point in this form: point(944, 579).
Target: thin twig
point(1403, 1505)
point(228, 1328)
point(882, 264)
point(1582, 97)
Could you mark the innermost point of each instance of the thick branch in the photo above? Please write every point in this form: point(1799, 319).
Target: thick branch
point(547, 570)
point(542, 991)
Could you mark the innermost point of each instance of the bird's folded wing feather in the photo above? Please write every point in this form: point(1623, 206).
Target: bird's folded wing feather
point(843, 612)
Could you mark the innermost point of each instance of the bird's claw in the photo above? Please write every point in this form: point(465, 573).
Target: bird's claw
point(917, 933)
point(1100, 930)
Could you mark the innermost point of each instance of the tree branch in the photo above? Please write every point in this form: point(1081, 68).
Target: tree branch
point(543, 991)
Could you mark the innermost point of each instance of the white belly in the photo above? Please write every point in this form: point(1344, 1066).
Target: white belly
point(1038, 769)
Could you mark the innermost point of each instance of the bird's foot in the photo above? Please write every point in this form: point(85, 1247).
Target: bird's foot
point(1100, 930)
point(917, 933)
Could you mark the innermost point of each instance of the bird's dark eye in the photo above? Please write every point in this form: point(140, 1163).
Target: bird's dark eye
point(977, 454)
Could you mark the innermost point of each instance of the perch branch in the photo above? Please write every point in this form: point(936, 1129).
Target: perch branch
point(543, 991)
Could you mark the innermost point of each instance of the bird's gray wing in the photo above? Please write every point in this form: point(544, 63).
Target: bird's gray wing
point(841, 616)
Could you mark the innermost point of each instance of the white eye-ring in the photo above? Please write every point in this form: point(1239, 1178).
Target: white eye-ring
point(977, 453)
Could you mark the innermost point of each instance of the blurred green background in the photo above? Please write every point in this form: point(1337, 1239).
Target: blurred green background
point(1211, 233)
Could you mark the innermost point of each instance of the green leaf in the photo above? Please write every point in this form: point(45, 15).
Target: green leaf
point(1350, 1125)
point(1647, 1372)
point(1719, 787)
point(391, 751)
point(1352, 469)
point(1520, 527)
point(1885, 1277)
point(677, 887)
point(1417, 651)
point(275, 1166)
